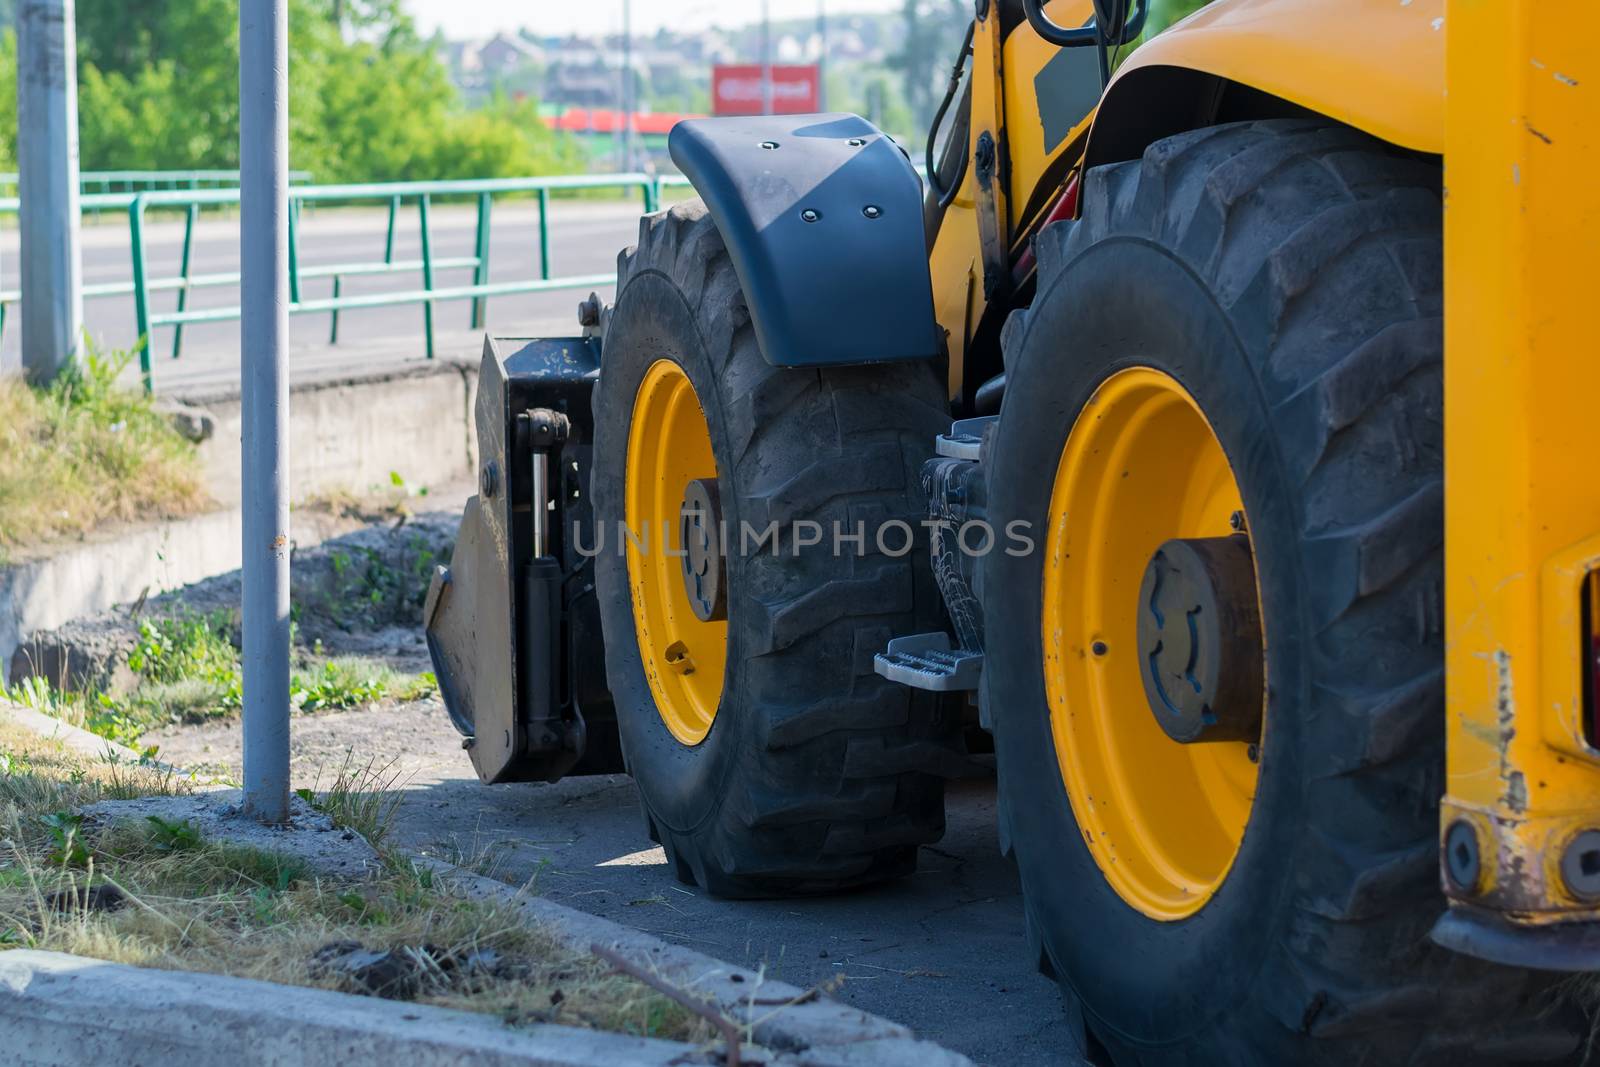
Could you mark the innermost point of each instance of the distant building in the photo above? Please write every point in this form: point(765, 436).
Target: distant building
point(503, 54)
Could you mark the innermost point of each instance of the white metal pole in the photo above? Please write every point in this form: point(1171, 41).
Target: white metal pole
point(51, 270)
point(264, 328)
point(822, 55)
point(766, 57)
point(628, 106)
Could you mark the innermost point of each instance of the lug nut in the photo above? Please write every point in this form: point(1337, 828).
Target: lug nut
point(1580, 866)
point(811, 214)
point(1461, 860)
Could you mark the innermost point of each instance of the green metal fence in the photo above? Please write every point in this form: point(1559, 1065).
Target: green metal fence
point(138, 181)
point(396, 196)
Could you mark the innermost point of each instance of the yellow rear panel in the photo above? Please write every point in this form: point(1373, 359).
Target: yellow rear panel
point(1522, 496)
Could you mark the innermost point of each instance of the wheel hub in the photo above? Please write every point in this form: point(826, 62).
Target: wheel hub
point(705, 572)
point(1199, 634)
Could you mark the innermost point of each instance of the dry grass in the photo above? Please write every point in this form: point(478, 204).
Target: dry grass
point(84, 452)
point(39, 776)
point(363, 797)
point(398, 499)
point(169, 899)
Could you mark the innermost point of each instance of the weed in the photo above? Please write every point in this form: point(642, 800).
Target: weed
point(344, 683)
point(367, 589)
point(362, 798)
point(186, 648)
point(66, 838)
point(38, 694)
point(189, 671)
point(168, 836)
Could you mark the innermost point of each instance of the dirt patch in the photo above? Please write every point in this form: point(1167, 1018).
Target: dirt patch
point(356, 595)
point(413, 739)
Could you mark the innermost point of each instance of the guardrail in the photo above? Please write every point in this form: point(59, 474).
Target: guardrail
point(396, 195)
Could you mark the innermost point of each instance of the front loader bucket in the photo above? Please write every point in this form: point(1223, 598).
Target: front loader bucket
point(468, 620)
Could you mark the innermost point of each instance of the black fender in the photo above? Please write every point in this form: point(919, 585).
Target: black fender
point(822, 217)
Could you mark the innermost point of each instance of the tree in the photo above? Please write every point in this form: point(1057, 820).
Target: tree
point(368, 99)
point(933, 34)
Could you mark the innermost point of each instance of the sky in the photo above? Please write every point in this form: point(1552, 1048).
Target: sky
point(482, 18)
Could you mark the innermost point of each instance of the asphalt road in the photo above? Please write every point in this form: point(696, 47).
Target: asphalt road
point(941, 951)
point(585, 238)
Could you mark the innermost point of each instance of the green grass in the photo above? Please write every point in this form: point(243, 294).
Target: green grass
point(84, 452)
point(188, 671)
point(365, 590)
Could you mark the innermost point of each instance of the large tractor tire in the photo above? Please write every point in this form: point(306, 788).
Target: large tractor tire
point(769, 758)
point(1221, 762)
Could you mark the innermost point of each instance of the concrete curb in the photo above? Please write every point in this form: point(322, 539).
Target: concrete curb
point(73, 738)
point(818, 1032)
point(57, 1009)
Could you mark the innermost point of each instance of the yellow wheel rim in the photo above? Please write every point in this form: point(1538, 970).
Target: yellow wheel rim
point(1163, 820)
point(669, 445)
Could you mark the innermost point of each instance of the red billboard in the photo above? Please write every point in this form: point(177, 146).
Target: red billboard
point(736, 89)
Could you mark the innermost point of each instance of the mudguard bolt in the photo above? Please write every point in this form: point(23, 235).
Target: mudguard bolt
point(1461, 860)
point(589, 311)
point(1580, 866)
point(1099, 648)
point(489, 480)
point(1236, 520)
point(872, 211)
point(770, 146)
point(811, 214)
point(855, 142)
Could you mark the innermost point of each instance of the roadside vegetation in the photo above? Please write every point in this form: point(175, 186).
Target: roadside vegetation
point(156, 893)
point(82, 452)
point(187, 670)
point(158, 86)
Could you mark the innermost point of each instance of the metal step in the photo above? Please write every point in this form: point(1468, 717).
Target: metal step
point(965, 439)
point(926, 661)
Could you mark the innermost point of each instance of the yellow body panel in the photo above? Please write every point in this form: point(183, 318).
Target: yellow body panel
point(1377, 65)
point(1522, 502)
point(1025, 55)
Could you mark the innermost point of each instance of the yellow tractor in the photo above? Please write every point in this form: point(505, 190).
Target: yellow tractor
point(1123, 441)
